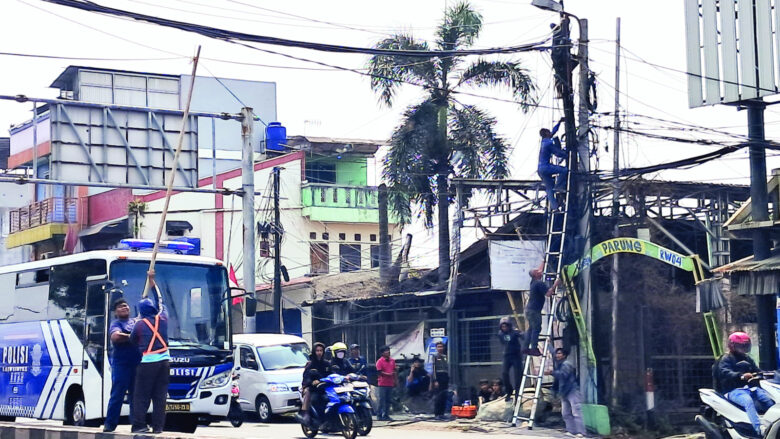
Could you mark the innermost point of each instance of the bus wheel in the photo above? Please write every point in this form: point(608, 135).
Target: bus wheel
point(75, 409)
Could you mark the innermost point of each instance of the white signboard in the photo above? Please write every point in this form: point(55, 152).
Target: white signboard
point(439, 332)
point(409, 343)
point(510, 262)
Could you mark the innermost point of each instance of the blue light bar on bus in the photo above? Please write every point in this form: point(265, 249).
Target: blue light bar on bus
point(145, 244)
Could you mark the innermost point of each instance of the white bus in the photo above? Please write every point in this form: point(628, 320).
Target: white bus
point(54, 316)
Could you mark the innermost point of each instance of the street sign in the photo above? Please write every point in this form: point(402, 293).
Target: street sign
point(437, 332)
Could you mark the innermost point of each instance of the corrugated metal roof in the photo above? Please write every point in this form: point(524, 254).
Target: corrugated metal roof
point(749, 264)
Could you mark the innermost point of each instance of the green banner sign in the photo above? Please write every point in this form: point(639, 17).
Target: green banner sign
point(632, 245)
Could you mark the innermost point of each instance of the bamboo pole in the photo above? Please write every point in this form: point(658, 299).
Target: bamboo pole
point(171, 177)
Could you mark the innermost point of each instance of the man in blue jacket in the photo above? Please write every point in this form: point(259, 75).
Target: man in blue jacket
point(566, 387)
point(150, 335)
point(124, 360)
point(551, 146)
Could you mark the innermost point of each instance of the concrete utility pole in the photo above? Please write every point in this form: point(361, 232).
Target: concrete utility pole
point(384, 239)
point(278, 322)
point(765, 304)
point(248, 206)
point(615, 218)
point(588, 383)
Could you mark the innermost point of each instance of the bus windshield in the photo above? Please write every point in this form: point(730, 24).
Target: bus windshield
point(192, 294)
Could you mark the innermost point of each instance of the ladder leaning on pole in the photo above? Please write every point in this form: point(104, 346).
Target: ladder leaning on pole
point(553, 262)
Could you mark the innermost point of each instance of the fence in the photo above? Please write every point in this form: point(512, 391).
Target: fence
point(48, 211)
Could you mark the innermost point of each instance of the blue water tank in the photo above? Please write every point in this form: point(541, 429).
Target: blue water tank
point(275, 136)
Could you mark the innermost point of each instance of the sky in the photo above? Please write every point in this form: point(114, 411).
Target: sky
point(318, 100)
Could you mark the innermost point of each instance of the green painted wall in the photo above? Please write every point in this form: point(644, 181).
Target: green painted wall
point(351, 171)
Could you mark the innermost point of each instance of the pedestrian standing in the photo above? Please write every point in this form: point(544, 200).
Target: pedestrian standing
point(566, 387)
point(150, 335)
point(124, 360)
point(513, 357)
point(441, 381)
point(385, 368)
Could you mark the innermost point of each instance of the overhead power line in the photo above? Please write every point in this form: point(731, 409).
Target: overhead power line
point(232, 36)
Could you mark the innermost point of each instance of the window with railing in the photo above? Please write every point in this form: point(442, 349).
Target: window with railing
point(49, 211)
point(331, 195)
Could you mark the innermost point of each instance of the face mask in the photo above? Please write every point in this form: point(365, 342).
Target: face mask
point(339, 355)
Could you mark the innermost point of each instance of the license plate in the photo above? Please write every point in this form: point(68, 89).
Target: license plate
point(177, 407)
point(360, 384)
point(344, 388)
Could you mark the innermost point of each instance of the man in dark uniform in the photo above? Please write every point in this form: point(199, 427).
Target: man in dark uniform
point(124, 360)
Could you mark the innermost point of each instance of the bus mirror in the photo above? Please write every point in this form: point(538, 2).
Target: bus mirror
point(251, 305)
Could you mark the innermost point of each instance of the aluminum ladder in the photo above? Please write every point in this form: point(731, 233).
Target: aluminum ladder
point(553, 262)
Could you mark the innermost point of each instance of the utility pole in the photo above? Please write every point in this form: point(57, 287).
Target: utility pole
point(248, 206)
point(615, 218)
point(765, 304)
point(384, 240)
point(588, 381)
point(278, 322)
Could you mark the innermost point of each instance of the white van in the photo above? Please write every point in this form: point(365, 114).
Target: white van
point(270, 367)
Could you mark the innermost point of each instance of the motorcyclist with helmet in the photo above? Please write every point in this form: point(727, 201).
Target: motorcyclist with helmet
point(339, 363)
point(734, 370)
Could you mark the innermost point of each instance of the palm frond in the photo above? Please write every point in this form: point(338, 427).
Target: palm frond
point(478, 152)
point(389, 72)
point(408, 164)
point(460, 27)
point(507, 74)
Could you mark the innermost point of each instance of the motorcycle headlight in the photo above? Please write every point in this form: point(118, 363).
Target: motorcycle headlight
point(217, 380)
point(277, 387)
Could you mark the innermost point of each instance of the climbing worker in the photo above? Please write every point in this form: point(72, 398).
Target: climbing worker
point(565, 386)
point(733, 372)
point(513, 358)
point(533, 309)
point(551, 146)
point(150, 335)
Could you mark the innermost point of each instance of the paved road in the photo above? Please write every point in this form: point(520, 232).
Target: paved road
point(287, 429)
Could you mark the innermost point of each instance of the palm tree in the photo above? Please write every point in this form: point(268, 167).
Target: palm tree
point(441, 137)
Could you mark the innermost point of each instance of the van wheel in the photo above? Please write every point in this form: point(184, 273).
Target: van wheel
point(263, 409)
point(75, 409)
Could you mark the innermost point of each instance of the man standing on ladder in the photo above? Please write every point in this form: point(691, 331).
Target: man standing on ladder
point(533, 310)
point(551, 146)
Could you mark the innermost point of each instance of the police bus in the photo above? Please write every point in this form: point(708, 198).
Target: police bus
point(54, 316)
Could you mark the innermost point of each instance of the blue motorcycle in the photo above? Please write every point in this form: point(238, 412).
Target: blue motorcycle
point(331, 408)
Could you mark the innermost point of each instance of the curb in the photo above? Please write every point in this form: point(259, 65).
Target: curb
point(11, 431)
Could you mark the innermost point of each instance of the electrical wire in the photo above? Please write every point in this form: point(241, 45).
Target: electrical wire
point(228, 35)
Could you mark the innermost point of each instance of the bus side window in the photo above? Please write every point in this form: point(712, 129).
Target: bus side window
point(7, 294)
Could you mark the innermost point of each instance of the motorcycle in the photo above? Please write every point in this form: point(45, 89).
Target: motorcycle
point(332, 411)
point(361, 401)
point(235, 413)
point(722, 419)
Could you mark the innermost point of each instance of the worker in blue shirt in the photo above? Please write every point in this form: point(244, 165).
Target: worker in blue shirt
point(124, 360)
point(551, 146)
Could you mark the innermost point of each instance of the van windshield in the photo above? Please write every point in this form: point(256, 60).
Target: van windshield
point(286, 356)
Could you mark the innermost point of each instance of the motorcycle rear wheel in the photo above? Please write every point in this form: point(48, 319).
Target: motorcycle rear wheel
point(365, 421)
point(308, 431)
point(349, 425)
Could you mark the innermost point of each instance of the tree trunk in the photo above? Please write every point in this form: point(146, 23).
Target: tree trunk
point(443, 191)
point(444, 228)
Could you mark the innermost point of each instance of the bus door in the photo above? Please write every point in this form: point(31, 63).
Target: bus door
point(95, 378)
